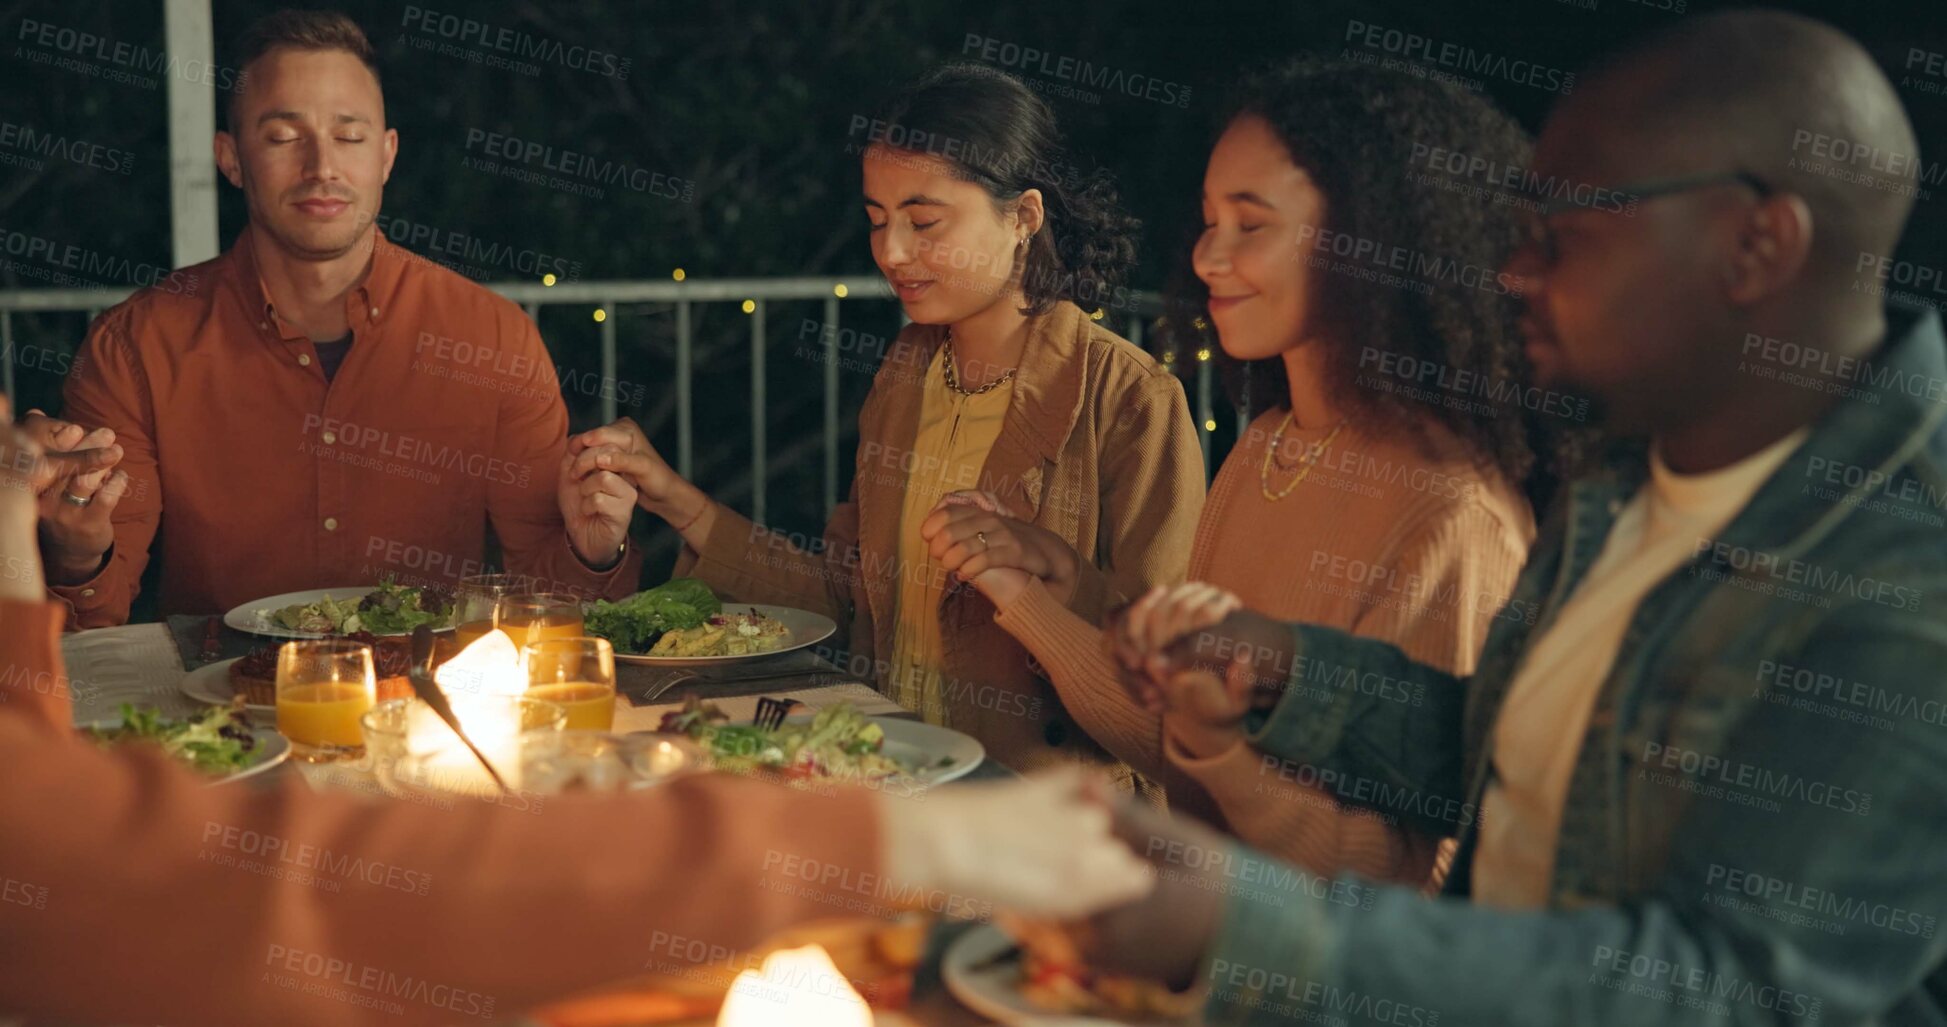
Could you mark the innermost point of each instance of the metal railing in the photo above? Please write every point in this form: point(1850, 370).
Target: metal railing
point(752, 295)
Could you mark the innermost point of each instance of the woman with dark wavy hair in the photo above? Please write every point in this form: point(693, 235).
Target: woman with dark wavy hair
point(1380, 488)
point(994, 243)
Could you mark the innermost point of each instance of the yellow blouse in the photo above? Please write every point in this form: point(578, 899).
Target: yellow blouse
point(949, 450)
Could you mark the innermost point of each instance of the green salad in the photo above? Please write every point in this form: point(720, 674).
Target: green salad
point(390, 609)
point(633, 625)
point(217, 741)
point(837, 742)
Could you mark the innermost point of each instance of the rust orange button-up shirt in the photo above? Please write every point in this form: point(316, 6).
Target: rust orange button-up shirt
point(253, 476)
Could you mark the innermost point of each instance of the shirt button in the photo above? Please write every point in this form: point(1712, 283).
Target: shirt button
point(375, 311)
point(331, 524)
point(330, 439)
point(304, 360)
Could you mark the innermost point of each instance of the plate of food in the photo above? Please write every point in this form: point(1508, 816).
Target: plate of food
point(1040, 979)
point(386, 610)
point(253, 676)
point(681, 623)
point(836, 743)
point(221, 742)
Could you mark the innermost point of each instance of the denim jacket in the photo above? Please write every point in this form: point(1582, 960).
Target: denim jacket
point(1756, 826)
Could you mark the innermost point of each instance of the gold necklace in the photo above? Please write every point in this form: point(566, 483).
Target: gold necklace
point(953, 380)
point(1304, 465)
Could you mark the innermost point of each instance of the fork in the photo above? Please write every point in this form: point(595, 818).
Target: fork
point(656, 691)
point(771, 712)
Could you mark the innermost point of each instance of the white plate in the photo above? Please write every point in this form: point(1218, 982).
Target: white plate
point(210, 683)
point(806, 628)
point(919, 744)
point(271, 749)
point(244, 618)
point(994, 991)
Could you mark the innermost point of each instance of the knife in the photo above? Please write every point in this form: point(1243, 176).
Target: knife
point(420, 676)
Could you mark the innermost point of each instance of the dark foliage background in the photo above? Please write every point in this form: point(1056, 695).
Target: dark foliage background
point(752, 103)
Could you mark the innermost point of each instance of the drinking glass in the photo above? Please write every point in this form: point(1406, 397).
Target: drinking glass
point(578, 674)
point(323, 688)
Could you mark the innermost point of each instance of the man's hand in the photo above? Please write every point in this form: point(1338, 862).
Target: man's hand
point(23, 473)
point(596, 508)
point(78, 489)
point(1040, 846)
point(1165, 935)
point(622, 450)
point(1196, 627)
point(975, 537)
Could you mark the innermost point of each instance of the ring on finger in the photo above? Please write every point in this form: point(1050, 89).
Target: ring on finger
point(76, 500)
point(981, 537)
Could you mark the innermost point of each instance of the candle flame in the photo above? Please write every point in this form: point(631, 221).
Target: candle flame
point(489, 666)
point(800, 987)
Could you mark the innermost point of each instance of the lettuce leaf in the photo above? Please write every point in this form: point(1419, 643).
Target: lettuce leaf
point(632, 625)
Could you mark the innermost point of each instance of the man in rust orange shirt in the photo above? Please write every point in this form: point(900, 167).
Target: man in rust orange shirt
point(318, 407)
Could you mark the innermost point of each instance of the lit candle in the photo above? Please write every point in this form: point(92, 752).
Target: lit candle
point(798, 987)
point(481, 682)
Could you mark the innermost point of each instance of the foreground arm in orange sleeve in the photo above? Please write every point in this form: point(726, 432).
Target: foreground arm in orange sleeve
point(531, 442)
point(108, 388)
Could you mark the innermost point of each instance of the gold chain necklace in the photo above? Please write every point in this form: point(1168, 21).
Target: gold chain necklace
point(1304, 465)
point(953, 380)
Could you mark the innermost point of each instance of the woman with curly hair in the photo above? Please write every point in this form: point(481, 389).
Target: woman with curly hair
point(1002, 383)
point(1380, 489)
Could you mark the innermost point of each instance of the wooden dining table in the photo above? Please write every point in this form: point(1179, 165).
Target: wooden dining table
point(145, 664)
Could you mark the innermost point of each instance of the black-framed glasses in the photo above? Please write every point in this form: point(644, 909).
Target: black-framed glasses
point(1626, 198)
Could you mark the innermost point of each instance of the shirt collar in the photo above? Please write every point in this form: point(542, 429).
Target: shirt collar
point(365, 304)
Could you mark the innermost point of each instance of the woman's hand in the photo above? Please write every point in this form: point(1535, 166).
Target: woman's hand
point(622, 450)
point(976, 537)
point(1198, 628)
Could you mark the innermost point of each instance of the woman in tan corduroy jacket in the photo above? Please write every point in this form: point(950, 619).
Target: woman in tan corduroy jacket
point(1001, 383)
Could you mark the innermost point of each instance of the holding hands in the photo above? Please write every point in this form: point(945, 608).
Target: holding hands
point(976, 537)
point(1194, 655)
point(619, 457)
point(75, 487)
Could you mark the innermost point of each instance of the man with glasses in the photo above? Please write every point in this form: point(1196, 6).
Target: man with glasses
point(1705, 785)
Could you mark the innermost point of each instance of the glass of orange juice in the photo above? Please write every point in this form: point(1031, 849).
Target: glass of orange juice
point(577, 674)
point(535, 616)
point(323, 688)
point(475, 600)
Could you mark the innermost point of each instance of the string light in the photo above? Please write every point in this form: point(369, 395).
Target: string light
point(678, 274)
point(750, 306)
point(1204, 353)
point(1210, 425)
point(839, 290)
point(548, 279)
point(600, 315)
